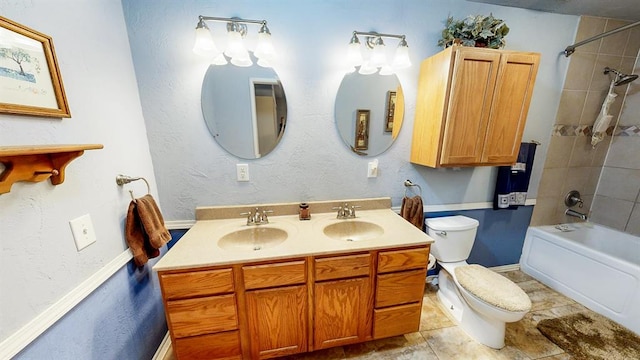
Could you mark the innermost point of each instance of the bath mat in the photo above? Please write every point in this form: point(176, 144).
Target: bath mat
point(591, 336)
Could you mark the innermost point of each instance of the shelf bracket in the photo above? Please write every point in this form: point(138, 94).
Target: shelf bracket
point(35, 164)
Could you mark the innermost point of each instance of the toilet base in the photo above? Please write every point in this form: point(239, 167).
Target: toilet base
point(489, 332)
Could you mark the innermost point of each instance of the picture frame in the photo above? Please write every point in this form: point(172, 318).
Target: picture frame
point(361, 141)
point(30, 80)
point(390, 110)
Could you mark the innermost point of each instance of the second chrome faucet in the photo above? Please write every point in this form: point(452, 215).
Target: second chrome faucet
point(345, 211)
point(257, 217)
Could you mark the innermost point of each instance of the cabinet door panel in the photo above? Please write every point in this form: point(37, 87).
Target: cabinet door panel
point(202, 315)
point(342, 312)
point(473, 81)
point(277, 321)
point(510, 106)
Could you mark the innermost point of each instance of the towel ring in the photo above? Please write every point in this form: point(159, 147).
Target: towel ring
point(125, 179)
point(408, 184)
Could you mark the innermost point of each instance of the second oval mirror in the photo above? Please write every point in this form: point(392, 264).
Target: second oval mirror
point(245, 109)
point(369, 111)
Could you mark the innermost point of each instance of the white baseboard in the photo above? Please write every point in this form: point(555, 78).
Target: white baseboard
point(34, 328)
point(506, 268)
point(163, 349)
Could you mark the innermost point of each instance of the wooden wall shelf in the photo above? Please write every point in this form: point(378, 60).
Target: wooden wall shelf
point(35, 163)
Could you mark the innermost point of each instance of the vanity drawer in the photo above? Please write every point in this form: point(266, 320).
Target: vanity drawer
point(400, 288)
point(224, 345)
point(196, 283)
point(396, 320)
point(398, 260)
point(199, 316)
point(270, 275)
point(339, 267)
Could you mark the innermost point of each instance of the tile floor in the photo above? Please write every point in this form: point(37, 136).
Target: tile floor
point(440, 339)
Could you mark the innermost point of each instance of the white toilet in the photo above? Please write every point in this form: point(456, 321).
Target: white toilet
point(481, 300)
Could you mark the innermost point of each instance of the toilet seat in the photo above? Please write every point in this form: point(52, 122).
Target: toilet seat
point(492, 288)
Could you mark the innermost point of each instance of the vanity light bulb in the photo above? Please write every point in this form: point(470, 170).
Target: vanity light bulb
point(236, 50)
point(367, 69)
point(378, 56)
point(401, 59)
point(204, 45)
point(264, 48)
point(219, 60)
point(354, 55)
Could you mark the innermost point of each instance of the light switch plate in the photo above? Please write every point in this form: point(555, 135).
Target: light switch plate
point(82, 230)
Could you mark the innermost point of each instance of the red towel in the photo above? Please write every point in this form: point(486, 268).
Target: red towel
point(144, 229)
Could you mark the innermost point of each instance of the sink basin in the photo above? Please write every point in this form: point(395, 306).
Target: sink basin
point(353, 230)
point(253, 239)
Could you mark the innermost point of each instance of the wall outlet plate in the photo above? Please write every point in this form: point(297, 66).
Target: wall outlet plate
point(242, 172)
point(82, 230)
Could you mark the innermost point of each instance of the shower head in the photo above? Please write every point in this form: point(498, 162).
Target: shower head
point(621, 79)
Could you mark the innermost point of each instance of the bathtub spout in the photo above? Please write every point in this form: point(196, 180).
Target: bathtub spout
point(571, 212)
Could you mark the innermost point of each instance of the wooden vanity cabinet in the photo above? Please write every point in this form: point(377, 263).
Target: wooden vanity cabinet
point(472, 106)
point(400, 283)
point(342, 300)
point(265, 310)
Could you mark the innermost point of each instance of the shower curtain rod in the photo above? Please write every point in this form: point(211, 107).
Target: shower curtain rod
point(572, 48)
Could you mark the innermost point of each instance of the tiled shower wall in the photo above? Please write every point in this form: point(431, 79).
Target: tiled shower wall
point(572, 163)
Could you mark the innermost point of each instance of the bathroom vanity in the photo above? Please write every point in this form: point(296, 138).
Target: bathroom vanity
point(328, 282)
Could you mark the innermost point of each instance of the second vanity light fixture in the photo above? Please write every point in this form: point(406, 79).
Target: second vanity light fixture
point(375, 53)
point(236, 49)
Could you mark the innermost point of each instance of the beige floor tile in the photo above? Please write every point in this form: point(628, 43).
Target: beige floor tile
point(454, 344)
point(516, 276)
point(433, 316)
point(543, 297)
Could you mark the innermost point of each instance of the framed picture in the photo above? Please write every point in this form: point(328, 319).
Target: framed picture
point(30, 81)
point(391, 109)
point(362, 130)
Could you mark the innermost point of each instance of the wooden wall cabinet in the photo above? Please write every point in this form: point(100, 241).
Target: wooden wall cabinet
point(265, 310)
point(472, 106)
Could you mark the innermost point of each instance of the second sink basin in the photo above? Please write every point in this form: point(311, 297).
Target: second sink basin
point(353, 230)
point(253, 238)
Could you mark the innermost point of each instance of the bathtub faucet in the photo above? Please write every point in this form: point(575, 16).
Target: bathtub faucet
point(571, 212)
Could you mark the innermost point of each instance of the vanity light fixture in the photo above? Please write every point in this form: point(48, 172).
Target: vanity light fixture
point(375, 54)
point(236, 49)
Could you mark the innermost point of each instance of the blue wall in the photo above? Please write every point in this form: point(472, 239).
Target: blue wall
point(500, 235)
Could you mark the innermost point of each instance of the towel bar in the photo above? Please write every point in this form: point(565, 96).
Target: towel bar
point(125, 179)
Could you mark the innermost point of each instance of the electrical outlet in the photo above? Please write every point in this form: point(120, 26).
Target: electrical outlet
point(82, 230)
point(242, 172)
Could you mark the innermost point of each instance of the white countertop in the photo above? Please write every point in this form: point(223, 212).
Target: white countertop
point(199, 248)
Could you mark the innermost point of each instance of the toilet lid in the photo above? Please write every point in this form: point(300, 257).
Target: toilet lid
point(492, 288)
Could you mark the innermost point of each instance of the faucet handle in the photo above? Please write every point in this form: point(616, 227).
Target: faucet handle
point(265, 219)
point(340, 211)
point(250, 217)
point(352, 211)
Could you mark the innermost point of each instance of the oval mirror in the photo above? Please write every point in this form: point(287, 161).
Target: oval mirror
point(369, 111)
point(244, 108)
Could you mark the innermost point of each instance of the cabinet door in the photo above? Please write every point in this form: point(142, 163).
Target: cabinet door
point(472, 84)
point(277, 321)
point(514, 87)
point(342, 312)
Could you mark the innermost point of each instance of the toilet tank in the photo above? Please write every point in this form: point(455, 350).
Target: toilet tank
point(453, 235)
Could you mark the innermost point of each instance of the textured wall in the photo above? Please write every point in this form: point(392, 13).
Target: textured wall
point(39, 263)
point(311, 162)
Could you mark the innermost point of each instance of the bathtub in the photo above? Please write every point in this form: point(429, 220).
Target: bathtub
point(592, 264)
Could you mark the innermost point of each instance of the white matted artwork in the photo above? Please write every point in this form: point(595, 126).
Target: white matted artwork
point(30, 81)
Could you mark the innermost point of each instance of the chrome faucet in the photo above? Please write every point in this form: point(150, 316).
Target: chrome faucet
point(345, 211)
point(571, 212)
point(257, 217)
